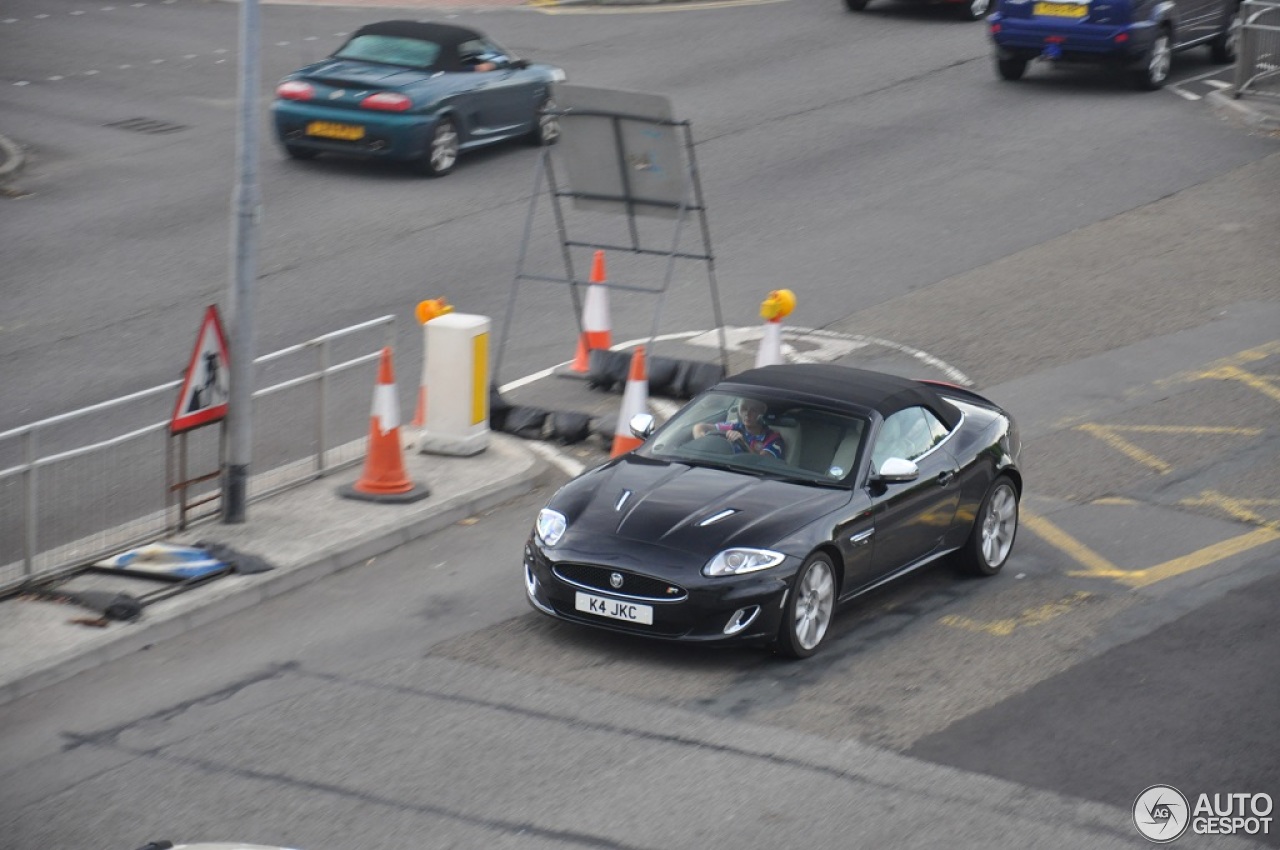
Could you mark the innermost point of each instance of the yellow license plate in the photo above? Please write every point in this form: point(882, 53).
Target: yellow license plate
point(1060, 10)
point(334, 130)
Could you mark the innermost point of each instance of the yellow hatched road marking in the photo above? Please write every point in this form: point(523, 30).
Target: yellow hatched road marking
point(1110, 434)
point(1096, 566)
point(1264, 385)
point(1241, 509)
point(1030, 617)
point(1229, 368)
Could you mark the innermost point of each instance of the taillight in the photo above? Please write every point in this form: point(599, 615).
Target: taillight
point(387, 101)
point(295, 90)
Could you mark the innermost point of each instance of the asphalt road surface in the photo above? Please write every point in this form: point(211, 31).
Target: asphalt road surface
point(1103, 257)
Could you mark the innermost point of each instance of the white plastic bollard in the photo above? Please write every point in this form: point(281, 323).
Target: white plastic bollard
point(457, 354)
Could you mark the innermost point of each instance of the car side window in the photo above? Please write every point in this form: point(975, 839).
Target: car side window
point(481, 50)
point(907, 434)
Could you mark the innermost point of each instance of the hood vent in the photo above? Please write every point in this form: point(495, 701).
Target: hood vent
point(714, 518)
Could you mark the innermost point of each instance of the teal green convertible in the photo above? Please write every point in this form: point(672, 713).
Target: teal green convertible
point(415, 92)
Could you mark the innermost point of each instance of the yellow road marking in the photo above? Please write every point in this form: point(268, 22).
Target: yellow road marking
point(1241, 509)
point(1229, 368)
point(1093, 563)
point(1096, 566)
point(1030, 617)
point(1235, 373)
point(1110, 434)
point(1201, 557)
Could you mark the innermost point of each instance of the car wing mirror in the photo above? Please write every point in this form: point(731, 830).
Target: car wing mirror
point(642, 425)
point(519, 64)
point(897, 470)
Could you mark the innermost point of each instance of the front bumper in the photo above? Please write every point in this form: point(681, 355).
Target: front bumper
point(387, 135)
point(1032, 38)
point(731, 609)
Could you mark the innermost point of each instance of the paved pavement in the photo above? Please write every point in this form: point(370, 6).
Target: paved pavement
point(304, 534)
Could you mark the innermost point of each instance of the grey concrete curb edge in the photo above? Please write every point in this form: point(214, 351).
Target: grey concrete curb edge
point(1241, 111)
point(131, 639)
point(13, 158)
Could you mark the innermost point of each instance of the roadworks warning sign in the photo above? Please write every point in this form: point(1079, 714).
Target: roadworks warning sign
point(206, 385)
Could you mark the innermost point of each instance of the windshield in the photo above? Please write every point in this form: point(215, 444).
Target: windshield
point(759, 433)
point(390, 50)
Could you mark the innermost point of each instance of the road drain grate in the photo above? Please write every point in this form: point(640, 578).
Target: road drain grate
point(147, 125)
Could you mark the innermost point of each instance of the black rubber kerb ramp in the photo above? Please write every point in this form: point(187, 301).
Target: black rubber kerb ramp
point(419, 492)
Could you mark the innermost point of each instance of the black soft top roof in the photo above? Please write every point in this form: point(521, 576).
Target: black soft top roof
point(878, 391)
point(448, 36)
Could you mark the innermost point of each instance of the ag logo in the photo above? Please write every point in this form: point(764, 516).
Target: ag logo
point(1161, 813)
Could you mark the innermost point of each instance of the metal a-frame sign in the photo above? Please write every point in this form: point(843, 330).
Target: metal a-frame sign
point(206, 385)
point(625, 154)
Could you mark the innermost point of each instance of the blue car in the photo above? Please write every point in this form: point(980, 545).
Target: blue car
point(1136, 36)
point(415, 92)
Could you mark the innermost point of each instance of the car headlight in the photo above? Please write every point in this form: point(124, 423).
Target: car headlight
point(551, 526)
point(734, 562)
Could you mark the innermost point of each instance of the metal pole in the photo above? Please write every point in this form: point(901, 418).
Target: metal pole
point(246, 211)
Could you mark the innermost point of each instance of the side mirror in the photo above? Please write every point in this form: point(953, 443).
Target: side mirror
point(897, 470)
point(519, 64)
point(642, 425)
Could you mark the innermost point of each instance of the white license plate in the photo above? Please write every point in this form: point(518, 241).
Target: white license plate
point(613, 608)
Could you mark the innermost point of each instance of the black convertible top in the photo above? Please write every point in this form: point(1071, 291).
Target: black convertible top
point(448, 36)
point(878, 391)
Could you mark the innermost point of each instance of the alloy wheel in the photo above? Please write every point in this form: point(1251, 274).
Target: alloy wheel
point(999, 525)
point(814, 602)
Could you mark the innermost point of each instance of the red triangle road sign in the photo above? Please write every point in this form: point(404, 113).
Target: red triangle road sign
point(206, 386)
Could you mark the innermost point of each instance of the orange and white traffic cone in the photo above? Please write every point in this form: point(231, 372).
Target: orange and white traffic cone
point(635, 399)
point(773, 310)
point(596, 332)
point(384, 478)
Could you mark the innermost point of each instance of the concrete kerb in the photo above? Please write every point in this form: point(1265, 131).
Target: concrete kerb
point(226, 596)
point(1258, 116)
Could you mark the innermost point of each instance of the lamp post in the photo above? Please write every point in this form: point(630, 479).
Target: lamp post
point(246, 209)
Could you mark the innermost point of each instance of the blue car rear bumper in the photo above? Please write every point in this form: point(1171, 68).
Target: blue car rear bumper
point(1030, 38)
point(386, 135)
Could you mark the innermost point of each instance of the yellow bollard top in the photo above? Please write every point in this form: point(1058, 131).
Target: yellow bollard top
point(778, 305)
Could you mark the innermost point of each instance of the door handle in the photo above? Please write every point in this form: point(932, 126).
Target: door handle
point(946, 478)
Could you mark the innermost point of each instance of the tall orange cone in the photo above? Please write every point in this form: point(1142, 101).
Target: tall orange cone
point(384, 478)
point(635, 399)
point(596, 332)
point(773, 310)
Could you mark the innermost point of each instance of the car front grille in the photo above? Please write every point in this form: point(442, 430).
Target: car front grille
point(634, 586)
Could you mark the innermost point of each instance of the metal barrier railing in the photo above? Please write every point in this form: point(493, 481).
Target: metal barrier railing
point(65, 502)
point(1258, 55)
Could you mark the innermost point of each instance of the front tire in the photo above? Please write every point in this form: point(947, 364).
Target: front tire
point(546, 128)
point(994, 529)
point(1011, 69)
point(810, 604)
point(1155, 67)
point(442, 150)
point(855, 5)
point(295, 152)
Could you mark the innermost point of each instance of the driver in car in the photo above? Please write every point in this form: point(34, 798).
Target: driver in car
point(749, 434)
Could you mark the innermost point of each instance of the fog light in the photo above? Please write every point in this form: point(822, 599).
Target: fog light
point(741, 618)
